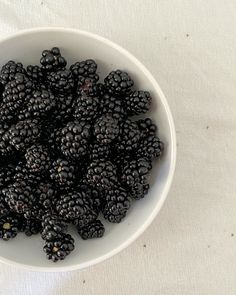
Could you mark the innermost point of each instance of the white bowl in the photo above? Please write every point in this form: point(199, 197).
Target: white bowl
point(26, 46)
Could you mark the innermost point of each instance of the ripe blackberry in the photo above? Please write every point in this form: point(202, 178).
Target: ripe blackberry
point(139, 190)
point(14, 96)
point(6, 149)
point(102, 174)
point(4, 208)
point(9, 227)
point(23, 134)
point(61, 81)
point(62, 173)
point(52, 227)
point(138, 102)
point(51, 137)
point(75, 139)
point(95, 229)
point(118, 82)
point(9, 71)
point(40, 103)
point(35, 73)
point(31, 227)
point(135, 171)
point(117, 205)
point(23, 174)
point(45, 194)
point(147, 127)
point(99, 151)
point(109, 104)
point(64, 107)
point(150, 147)
point(18, 196)
point(89, 86)
point(6, 175)
point(37, 158)
point(72, 205)
point(59, 248)
point(86, 108)
point(36, 211)
point(52, 60)
point(106, 129)
point(86, 68)
point(129, 137)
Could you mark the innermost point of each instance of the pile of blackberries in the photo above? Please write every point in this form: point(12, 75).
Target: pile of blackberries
point(70, 149)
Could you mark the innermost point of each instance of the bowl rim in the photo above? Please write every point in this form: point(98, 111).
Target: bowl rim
point(172, 146)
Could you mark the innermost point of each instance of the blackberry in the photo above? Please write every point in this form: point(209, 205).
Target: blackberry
point(110, 104)
point(40, 103)
point(72, 205)
point(75, 139)
point(23, 134)
point(150, 147)
point(1, 90)
point(99, 151)
point(64, 107)
point(52, 226)
point(31, 227)
point(14, 96)
point(6, 175)
point(4, 208)
point(89, 86)
point(95, 229)
point(62, 173)
point(52, 60)
point(35, 73)
point(45, 194)
point(5, 148)
point(59, 248)
point(86, 68)
point(135, 171)
point(139, 190)
point(129, 137)
point(102, 174)
point(106, 129)
point(23, 174)
point(51, 137)
point(138, 102)
point(9, 71)
point(147, 127)
point(37, 158)
point(95, 196)
point(118, 82)
point(36, 212)
point(116, 206)
point(9, 227)
point(86, 108)
point(18, 196)
point(61, 81)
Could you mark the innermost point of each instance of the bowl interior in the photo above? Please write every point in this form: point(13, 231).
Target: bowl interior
point(27, 47)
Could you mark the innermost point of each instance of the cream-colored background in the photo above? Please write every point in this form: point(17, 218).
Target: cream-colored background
point(190, 47)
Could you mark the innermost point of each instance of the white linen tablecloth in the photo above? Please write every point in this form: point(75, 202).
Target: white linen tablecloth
point(190, 47)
